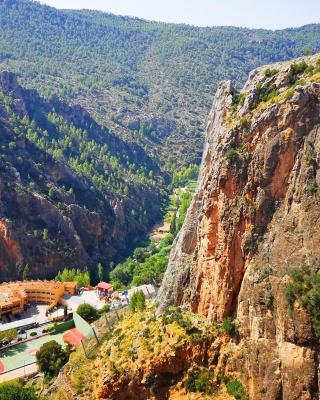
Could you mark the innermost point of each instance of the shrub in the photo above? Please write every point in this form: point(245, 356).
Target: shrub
point(296, 69)
point(304, 287)
point(268, 73)
point(244, 123)
point(200, 381)
point(289, 94)
point(235, 389)
point(228, 326)
point(238, 99)
point(87, 312)
point(137, 301)
point(104, 309)
point(32, 334)
point(8, 335)
point(313, 188)
point(231, 155)
point(266, 92)
point(51, 357)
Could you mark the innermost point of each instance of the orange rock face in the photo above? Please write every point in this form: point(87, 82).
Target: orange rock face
point(255, 212)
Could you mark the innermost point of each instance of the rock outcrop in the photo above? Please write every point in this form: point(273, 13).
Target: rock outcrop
point(254, 217)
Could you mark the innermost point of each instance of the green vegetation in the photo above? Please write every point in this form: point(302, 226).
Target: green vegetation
point(232, 154)
point(268, 73)
point(148, 264)
point(313, 188)
point(137, 301)
point(8, 335)
point(265, 93)
point(51, 357)
point(125, 59)
point(304, 287)
point(183, 176)
point(228, 326)
point(26, 273)
point(87, 312)
point(74, 275)
point(238, 99)
point(14, 390)
point(100, 272)
point(32, 334)
point(296, 69)
point(236, 389)
point(200, 381)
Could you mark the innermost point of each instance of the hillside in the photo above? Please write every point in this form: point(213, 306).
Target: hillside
point(148, 82)
point(71, 193)
point(249, 247)
point(238, 313)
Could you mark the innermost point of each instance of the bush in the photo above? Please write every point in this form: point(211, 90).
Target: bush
point(296, 69)
point(200, 381)
point(137, 301)
point(51, 357)
point(238, 99)
point(235, 389)
point(8, 335)
point(231, 155)
point(104, 309)
point(229, 327)
point(87, 312)
point(15, 391)
point(304, 287)
point(268, 73)
point(32, 334)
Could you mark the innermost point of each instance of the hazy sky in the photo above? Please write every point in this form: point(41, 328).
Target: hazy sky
point(271, 14)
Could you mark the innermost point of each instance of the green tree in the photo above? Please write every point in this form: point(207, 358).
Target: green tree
point(26, 273)
point(100, 272)
point(137, 301)
point(51, 357)
point(87, 312)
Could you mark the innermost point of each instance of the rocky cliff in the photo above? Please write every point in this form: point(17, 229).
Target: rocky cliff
point(71, 193)
point(254, 218)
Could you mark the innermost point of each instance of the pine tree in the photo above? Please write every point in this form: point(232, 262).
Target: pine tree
point(26, 273)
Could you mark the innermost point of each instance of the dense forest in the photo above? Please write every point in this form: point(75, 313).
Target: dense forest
point(150, 82)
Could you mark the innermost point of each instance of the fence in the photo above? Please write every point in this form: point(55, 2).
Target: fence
point(100, 329)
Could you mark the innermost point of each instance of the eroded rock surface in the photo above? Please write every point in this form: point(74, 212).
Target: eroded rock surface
point(255, 215)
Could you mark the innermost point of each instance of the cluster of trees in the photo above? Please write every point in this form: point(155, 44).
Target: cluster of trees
point(14, 390)
point(147, 265)
point(74, 275)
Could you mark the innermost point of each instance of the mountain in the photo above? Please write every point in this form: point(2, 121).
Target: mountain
point(150, 83)
point(72, 194)
point(238, 310)
point(249, 247)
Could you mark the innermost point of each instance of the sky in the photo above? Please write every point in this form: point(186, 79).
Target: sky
point(271, 14)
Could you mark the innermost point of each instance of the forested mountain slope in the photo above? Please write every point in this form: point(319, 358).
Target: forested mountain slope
point(71, 193)
point(151, 83)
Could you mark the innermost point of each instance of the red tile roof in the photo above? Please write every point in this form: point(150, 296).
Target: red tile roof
point(104, 286)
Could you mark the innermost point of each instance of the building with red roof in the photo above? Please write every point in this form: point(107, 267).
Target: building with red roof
point(104, 287)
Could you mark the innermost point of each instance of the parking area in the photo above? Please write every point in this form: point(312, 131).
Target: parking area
point(87, 297)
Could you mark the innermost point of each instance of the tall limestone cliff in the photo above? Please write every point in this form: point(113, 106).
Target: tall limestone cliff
point(255, 217)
